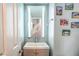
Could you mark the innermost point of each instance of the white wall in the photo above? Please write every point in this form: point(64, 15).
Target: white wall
point(66, 45)
point(51, 27)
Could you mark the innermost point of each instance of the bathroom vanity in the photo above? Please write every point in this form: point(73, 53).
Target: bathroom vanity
point(36, 49)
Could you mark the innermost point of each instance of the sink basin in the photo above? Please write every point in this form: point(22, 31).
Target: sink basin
point(38, 45)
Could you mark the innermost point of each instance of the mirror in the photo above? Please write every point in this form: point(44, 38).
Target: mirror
point(36, 21)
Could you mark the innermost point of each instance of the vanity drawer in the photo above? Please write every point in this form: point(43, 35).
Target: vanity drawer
point(42, 52)
point(36, 52)
point(29, 52)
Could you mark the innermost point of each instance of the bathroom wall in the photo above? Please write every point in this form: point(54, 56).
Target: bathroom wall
point(66, 45)
point(51, 28)
point(25, 23)
point(46, 23)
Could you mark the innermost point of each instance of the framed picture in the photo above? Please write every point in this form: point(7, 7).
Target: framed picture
point(65, 32)
point(58, 10)
point(63, 22)
point(69, 6)
point(75, 14)
point(74, 24)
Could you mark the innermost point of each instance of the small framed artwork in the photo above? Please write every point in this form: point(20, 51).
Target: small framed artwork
point(74, 24)
point(58, 10)
point(63, 22)
point(69, 6)
point(75, 15)
point(65, 32)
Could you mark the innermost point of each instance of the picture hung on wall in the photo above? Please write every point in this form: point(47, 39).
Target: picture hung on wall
point(65, 32)
point(69, 6)
point(58, 10)
point(63, 22)
point(74, 24)
point(75, 15)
